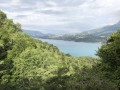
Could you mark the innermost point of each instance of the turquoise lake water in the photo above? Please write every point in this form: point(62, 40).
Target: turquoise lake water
point(76, 49)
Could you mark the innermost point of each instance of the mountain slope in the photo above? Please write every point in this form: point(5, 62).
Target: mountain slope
point(104, 31)
point(35, 34)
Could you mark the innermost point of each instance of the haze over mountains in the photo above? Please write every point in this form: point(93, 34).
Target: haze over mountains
point(34, 33)
point(96, 35)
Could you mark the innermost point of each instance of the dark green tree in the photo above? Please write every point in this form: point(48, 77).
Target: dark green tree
point(8, 30)
point(110, 58)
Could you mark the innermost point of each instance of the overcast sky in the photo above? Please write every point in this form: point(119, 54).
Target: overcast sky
point(62, 16)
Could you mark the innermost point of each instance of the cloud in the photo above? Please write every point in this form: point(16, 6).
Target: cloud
point(4, 1)
point(68, 16)
point(21, 16)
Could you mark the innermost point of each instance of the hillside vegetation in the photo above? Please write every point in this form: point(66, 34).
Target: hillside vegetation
point(30, 64)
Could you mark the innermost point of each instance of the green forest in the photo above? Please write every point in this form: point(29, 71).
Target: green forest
point(30, 64)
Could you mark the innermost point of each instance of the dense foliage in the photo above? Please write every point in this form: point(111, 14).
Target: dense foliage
point(110, 58)
point(30, 64)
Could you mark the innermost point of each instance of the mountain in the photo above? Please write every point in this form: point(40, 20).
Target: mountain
point(96, 35)
point(35, 34)
point(104, 31)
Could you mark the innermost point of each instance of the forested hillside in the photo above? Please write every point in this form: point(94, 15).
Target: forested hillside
point(30, 64)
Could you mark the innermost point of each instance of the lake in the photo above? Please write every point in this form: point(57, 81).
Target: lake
point(76, 49)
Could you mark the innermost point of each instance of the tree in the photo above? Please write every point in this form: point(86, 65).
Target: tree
point(110, 58)
point(8, 30)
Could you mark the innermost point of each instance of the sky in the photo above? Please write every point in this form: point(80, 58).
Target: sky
point(62, 16)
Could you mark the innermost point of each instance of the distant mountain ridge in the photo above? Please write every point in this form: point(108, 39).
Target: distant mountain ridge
point(96, 35)
point(107, 30)
point(35, 34)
